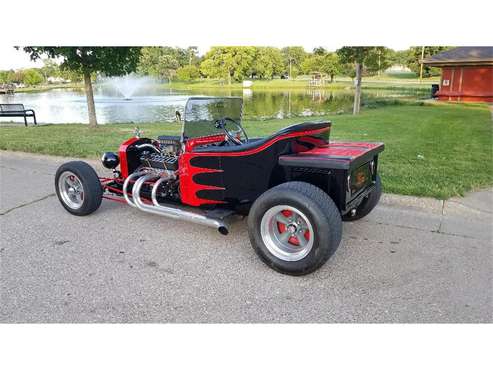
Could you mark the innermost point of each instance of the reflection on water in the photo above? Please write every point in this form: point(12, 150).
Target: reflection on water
point(159, 104)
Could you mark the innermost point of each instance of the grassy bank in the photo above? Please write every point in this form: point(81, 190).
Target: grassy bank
point(41, 88)
point(437, 150)
point(384, 81)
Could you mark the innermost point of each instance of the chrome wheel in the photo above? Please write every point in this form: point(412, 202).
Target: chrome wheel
point(71, 190)
point(287, 233)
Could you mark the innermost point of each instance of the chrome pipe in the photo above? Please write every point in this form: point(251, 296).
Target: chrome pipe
point(155, 188)
point(125, 186)
point(171, 212)
point(150, 146)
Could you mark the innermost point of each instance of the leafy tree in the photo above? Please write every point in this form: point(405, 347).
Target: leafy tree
point(32, 77)
point(414, 59)
point(378, 60)
point(7, 77)
point(326, 63)
point(399, 57)
point(268, 62)
point(228, 62)
point(319, 51)
point(111, 61)
point(50, 68)
point(193, 55)
point(293, 56)
point(188, 73)
point(18, 76)
point(359, 56)
point(162, 62)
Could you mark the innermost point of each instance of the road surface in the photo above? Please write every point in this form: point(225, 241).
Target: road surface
point(411, 260)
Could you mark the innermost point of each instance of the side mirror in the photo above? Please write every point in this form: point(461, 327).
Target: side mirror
point(178, 116)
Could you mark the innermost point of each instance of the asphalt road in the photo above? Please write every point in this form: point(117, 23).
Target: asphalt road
point(411, 260)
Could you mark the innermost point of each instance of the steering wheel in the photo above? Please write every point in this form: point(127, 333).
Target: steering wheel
point(221, 123)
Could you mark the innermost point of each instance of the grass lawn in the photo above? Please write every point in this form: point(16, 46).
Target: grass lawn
point(437, 150)
point(384, 81)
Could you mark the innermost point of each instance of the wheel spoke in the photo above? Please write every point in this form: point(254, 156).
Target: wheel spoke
point(282, 219)
point(301, 238)
point(284, 237)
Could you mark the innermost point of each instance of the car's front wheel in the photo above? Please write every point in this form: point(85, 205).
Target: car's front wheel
point(78, 188)
point(294, 227)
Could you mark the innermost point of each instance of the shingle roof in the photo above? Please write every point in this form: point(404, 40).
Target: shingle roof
point(467, 55)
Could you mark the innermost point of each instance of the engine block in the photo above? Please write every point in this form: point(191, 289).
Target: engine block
point(165, 161)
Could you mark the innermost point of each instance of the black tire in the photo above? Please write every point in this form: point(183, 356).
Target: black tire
point(92, 190)
point(319, 209)
point(367, 204)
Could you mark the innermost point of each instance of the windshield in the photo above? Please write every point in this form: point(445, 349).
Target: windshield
point(201, 115)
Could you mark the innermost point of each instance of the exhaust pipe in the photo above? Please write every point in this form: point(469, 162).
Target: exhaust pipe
point(166, 211)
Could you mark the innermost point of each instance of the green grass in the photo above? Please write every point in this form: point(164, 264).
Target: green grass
point(396, 81)
point(437, 150)
point(41, 88)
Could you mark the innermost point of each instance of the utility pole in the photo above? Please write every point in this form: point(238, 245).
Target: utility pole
point(421, 62)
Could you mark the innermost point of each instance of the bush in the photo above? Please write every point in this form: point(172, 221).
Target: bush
point(188, 73)
point(32, 77)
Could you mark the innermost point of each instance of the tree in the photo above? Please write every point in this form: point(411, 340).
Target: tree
point(399, 57)
point(32, 77)
point(50, 68)
point(293, 57)
point(162, 62)
point(319, 51)
point(378, 60)
point(7, 77)
point(267, 63)
point(228, 62)
point(359, 56)
point(414, 59)
point(193, 55)
point(112, 61)
point(188, 73)
point(327, 63)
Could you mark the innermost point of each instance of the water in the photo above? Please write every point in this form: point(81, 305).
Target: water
point(157, 103)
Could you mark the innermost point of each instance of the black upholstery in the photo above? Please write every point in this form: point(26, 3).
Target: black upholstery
point(255, 143)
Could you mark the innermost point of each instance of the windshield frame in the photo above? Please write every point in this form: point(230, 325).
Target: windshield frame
point(216, 98)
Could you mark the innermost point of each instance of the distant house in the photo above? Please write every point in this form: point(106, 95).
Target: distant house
point(467, 74)
point(57, 80)
point(397, 68)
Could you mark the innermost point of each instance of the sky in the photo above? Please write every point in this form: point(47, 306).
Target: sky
point(10, 58)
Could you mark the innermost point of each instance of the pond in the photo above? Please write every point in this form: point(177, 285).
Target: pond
point(159, 103)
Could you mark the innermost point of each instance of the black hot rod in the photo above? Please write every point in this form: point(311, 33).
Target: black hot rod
point(295, 185)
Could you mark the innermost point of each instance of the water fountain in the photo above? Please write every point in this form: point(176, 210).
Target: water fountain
point(129, 84)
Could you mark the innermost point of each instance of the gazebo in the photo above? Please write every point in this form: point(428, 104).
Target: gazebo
point(467, 74)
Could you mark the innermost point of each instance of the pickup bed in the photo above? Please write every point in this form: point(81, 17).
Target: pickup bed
point(352, 164)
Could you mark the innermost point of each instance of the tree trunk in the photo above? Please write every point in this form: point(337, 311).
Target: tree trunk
point(357, 90)
point(91, 109)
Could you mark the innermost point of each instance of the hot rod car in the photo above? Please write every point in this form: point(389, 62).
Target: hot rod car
point(295, 185)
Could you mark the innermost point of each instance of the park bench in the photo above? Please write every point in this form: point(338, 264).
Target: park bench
point(17, 110)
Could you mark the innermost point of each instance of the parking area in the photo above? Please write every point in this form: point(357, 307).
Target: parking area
point(411, 260)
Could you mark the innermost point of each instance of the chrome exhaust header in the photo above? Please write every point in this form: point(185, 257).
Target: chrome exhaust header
point(162, 210)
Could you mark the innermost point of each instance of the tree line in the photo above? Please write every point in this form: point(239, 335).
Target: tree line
point(232, 63)
point(237, 63)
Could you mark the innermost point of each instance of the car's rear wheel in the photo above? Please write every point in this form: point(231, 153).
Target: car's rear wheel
point(78, 188)
point(367, 204)
point(294, 227)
